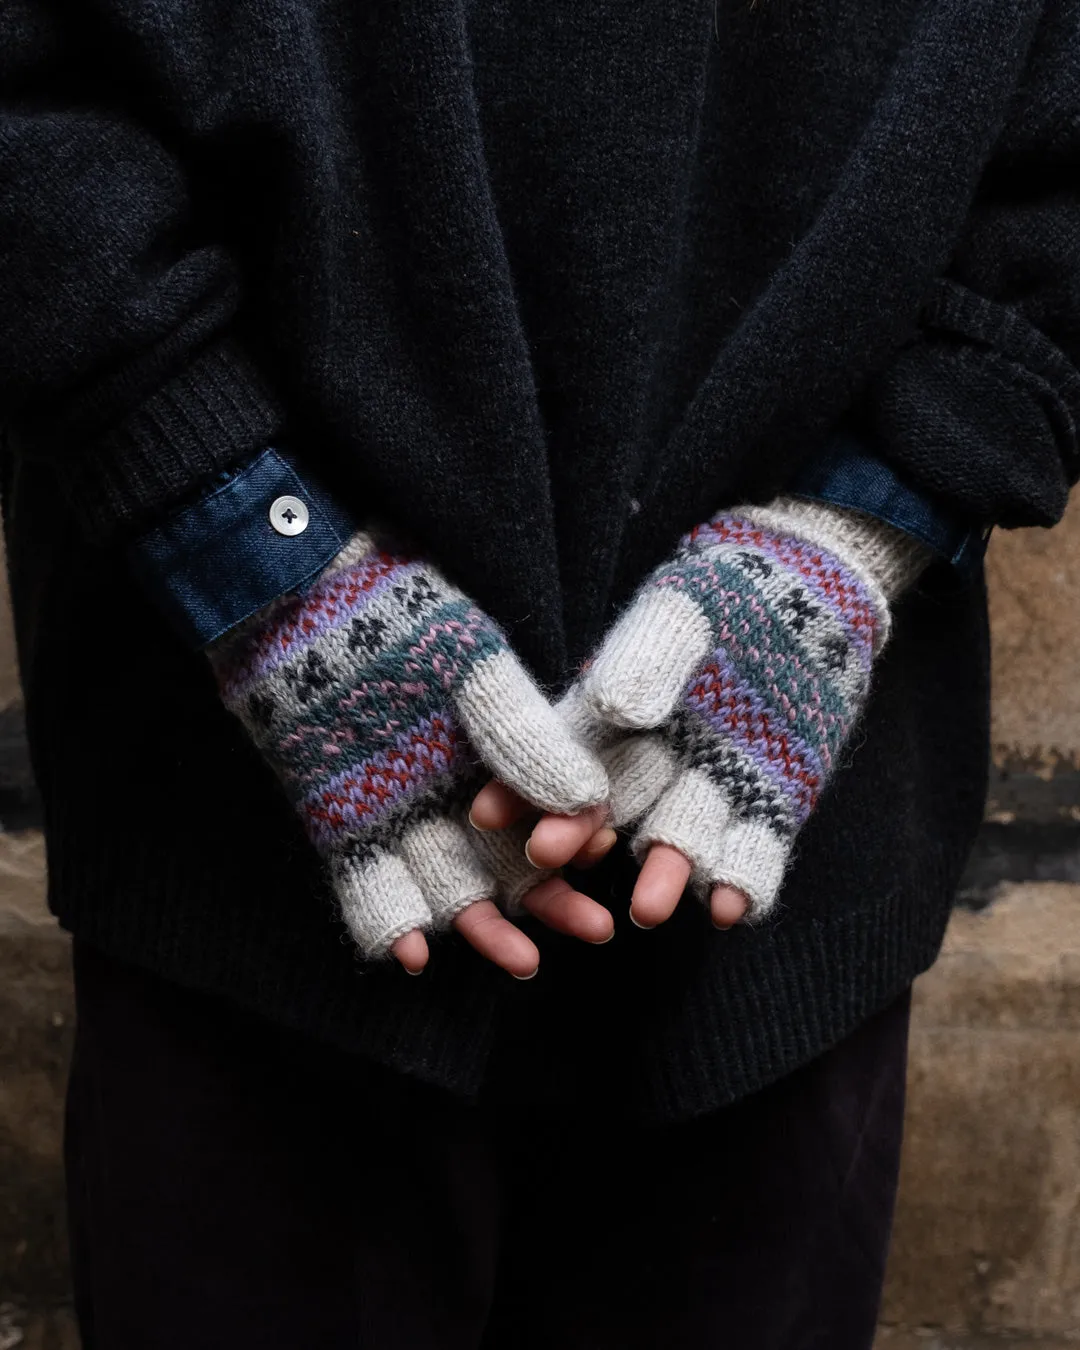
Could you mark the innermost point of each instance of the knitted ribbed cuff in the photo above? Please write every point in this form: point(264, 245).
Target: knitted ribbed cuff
point(216, 413)
point(888, 557)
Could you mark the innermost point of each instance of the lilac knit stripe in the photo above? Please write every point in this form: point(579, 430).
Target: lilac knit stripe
point(802, 699)
point(721, 594)
point(710, 698)
point(332, 604)
point(858, 615)
point(357, 798)
point(796, 555)
point(858, 618)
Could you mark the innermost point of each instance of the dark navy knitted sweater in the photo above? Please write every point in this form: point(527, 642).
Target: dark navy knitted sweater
point(546, 283)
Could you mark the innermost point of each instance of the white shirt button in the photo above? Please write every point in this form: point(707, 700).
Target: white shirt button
point(289, 515)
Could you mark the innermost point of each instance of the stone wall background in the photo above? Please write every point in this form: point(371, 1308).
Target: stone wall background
point(988, 1227)
point(1034, 578)
point(987, 1238)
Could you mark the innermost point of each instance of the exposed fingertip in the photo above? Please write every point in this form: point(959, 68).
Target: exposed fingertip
point(602, 942)
point(531, 976)
point(476, 824)
point(638, 924)
point(528, 854)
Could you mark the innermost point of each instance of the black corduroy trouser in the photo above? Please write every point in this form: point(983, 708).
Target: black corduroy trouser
point(233, 1187)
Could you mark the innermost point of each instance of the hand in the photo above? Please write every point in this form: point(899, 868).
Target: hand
point(523, 887)
point(721, 699)
point(585, 839)
point(553, 902)
point(372, 694)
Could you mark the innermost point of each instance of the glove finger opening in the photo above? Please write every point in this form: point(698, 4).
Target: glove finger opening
point(753, 858)
point(380, 901)
point(444, 862)
point(690, 815)
point(695, 816)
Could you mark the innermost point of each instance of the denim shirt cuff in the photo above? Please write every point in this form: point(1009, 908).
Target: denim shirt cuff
point(848, 475)
point(219, 560)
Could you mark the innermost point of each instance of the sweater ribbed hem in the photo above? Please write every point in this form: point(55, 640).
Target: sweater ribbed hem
point(767, 1002)
point(789, 995)
point(441, 1033)
point(213, 415)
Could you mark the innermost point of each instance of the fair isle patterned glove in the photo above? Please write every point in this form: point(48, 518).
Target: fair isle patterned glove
point(720, 702)
point(376, 694)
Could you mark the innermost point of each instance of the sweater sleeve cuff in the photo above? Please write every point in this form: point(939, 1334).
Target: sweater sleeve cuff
point(848, 475)
point(267, 529)
point(214, 414)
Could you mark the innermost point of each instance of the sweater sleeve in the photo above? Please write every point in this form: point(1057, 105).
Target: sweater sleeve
point(982, 406)
point(121, 363)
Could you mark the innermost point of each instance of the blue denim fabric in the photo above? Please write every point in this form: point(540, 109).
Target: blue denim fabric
point(219, 560)
point(848, 475)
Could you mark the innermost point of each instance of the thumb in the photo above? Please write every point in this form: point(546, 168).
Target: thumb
point(647, 659)
point(523, 741)
point(581, 719)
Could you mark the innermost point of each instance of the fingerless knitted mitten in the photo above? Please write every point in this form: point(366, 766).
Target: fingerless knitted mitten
point(376, 695)
point(721, 700)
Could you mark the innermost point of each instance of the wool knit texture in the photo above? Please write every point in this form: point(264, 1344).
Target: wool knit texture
point(751, 651)
point(379, 695)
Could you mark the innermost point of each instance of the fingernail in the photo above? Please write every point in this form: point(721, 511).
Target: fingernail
point(634, 921)
point(532, 860)
point(413, 972)
point(722, 927)
point(482, 828)
point(532, 976)
point(602, 942)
